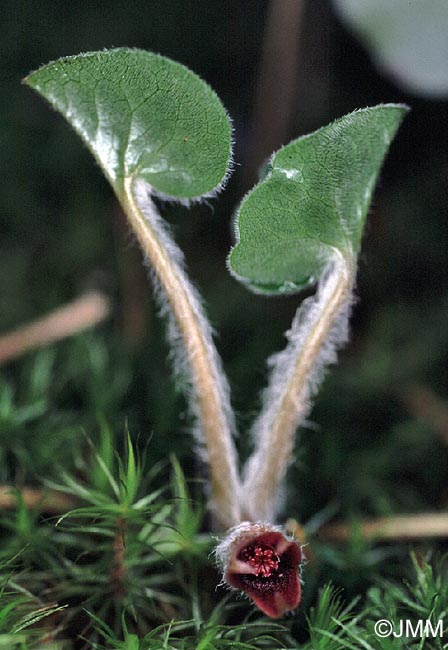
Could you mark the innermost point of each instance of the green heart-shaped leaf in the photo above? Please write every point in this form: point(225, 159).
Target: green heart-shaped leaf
point(155, 127)
point(142, 115)
point(313, 202)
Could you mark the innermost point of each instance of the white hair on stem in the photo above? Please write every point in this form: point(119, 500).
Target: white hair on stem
point(193, 350)
point(319, 328)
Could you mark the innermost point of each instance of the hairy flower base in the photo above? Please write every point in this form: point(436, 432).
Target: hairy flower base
point(259, 560)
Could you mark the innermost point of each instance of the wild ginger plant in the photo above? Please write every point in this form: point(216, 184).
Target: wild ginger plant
point(160, 133)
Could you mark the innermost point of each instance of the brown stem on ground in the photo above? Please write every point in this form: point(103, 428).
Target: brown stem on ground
point(48, 501)
point(118, 570)
point(399, 528)
point(76, 316)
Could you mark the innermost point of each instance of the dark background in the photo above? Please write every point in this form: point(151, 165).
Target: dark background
point(378, 435)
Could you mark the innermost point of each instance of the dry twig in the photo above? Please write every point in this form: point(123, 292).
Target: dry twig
point(78, 315)
point(49, 501)
point(399, 528)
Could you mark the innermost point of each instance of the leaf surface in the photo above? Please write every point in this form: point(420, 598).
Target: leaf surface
point(312, 204)
point(142, 115)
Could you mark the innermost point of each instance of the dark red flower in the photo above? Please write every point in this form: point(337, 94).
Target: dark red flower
point(260, 561)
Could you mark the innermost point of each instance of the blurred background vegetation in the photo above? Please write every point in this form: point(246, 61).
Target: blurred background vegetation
point(377, 439)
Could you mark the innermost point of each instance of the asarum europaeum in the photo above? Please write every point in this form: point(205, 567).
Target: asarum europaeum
point(260, 561)
point(256, 558)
